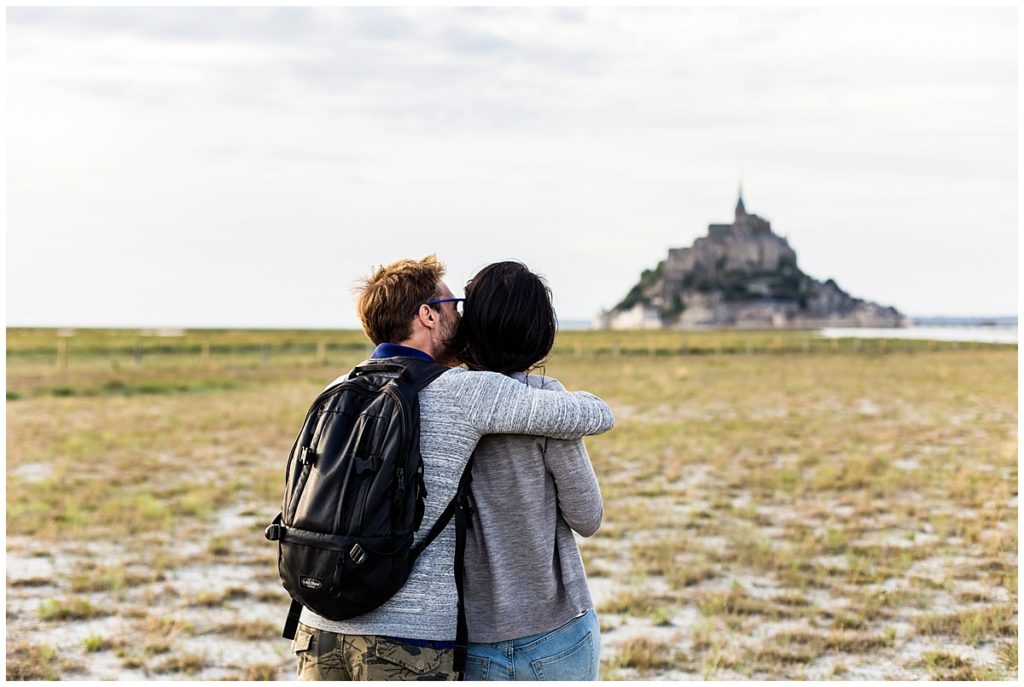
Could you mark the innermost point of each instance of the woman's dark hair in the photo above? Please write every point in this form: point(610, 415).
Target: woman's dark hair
point(508, 323)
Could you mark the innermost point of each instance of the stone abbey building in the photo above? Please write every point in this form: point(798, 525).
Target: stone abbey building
point(739, 275)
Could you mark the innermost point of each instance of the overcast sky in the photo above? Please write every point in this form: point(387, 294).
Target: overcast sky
point(245, 166)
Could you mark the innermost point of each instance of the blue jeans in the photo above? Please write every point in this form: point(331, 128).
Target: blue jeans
point(571, 652)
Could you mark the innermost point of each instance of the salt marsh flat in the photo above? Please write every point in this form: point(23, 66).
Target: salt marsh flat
point(777, 505)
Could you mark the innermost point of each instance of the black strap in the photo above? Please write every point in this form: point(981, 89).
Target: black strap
point(459, 507)
point(292, 623)
point(442, 522)
point(423, 373)
point(416, 371)
point(461, 631)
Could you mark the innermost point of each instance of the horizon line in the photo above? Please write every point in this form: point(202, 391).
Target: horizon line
point(567, 320)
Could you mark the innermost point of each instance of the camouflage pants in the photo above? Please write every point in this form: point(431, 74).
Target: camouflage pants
point(329, 656)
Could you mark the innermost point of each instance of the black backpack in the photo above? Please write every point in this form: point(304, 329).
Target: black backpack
point(354, 496)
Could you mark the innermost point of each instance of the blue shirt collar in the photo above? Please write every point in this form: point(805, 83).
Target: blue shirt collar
point(390, 350)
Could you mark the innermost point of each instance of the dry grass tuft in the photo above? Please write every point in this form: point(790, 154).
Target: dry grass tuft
point(26, 661)
point(260, 672)
point(248, 629)
point(189, 664)
point(647, 655)
point(973, 626)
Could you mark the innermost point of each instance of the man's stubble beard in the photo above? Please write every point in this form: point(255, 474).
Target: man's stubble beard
point(445, 353)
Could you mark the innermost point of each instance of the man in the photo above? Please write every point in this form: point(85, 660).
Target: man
point(408, 311)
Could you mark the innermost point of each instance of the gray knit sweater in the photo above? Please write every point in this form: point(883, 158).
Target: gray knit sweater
point(524, 574)
point(456, 410)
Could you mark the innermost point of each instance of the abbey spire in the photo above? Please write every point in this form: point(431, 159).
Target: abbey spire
point(740, 209)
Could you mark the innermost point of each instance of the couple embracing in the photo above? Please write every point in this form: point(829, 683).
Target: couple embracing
point(496, 588)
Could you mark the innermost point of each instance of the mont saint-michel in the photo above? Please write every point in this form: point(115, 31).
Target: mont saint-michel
point(740, 275)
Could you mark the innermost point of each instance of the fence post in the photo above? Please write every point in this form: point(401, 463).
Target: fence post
point(62, 354)
point(321, 352)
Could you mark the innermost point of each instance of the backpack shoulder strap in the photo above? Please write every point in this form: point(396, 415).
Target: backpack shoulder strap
point(414, 371)
point(461, 508)
point(463, 513)
point(421, 373)
point(458, 502)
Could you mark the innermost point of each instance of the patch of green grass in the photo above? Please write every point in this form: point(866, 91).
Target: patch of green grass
point(110, 578)
point(935, 660)
point(73, 608)
point(96, 643)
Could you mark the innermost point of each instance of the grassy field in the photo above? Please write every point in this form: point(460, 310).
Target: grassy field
point(777, 505)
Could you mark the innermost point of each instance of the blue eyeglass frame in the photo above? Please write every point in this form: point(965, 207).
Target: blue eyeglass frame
point(445, 300)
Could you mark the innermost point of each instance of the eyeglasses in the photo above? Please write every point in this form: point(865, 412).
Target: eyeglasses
point(456, 301)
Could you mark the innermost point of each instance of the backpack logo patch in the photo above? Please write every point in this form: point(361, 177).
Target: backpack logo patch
point(311, 583)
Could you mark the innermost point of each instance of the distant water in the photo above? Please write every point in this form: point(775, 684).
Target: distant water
point(982, 329)
point(985, 334)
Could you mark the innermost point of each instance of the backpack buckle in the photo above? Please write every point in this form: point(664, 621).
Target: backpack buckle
point(307, 456)
point(273, 532)
point(366, 464)
point(357, 554)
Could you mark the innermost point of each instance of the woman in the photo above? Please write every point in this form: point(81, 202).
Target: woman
point(528, 607)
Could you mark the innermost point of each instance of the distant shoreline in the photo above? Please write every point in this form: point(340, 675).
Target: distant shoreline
point(923, 322)
point(917, 322)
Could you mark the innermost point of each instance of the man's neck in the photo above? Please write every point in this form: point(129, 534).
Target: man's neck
point(391, 350)
point(420, 343)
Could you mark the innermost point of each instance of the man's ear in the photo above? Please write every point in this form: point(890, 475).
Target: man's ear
point(427, 317)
